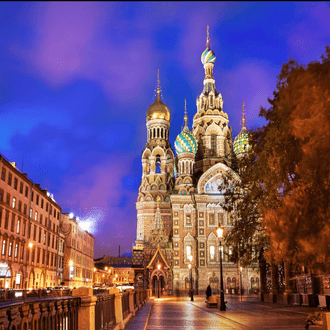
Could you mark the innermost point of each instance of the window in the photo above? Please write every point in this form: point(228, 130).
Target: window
point(36, 216)
point(25, 209)
point(158, 164)
point(212, 252)
point(8, 199)
point(9, 178)
point(188, 249)
point(3, 247)
point(188, 219)
point(1, 195)
point(37, 200)
point(18, 224)
point(24, 226)
point(211, 219)
point(22, 252)
point(42, 203)
point(12, 223)
point(15, 183)
point(39, 240)
point(41, 218)
point(35, 233)
point(32, 194)
point(0, 218)
point(14, 202)
point(26, 191)
point(10, 248)
point(38, 255)
point(16, 250)
point(21, 188)
point(46, 207)
point(54, 213)
point(3, 174)
point(30, 213)
point(53, 241)
point(44, 242)
point(20, 206)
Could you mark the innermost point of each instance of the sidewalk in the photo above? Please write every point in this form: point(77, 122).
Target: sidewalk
point(139, 321)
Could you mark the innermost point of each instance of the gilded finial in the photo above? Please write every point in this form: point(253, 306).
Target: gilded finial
point(185, 113)
point(208, 38)
point(243, 117)
point(158, 82)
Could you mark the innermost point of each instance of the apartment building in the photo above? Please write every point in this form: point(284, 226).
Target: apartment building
point(78, 264)
point(29, 232)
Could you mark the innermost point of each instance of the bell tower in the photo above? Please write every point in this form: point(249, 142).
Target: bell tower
point(157, 171)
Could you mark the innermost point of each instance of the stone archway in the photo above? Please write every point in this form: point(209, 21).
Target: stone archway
point(158, 283)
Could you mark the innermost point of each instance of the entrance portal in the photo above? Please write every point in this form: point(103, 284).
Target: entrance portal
point(158, 286)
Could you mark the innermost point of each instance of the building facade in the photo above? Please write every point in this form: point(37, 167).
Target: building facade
point(29, 232)
point(179, 200)
point(78, 263)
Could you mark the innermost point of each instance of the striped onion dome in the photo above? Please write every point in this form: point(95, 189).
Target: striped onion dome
point(185, 142)
point(208, 56)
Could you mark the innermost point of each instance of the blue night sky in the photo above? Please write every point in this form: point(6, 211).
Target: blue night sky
point(76, 80)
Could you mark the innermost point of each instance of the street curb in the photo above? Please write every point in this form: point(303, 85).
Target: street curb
point(148, 317)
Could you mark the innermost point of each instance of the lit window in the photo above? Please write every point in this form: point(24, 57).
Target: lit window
point(30, 213)
point(16, 250)
point(3, 247)
point(36, 216)
point(18, 223)
point(10, 247)
point(14, 202)
point(212, 252)
point(188, 250)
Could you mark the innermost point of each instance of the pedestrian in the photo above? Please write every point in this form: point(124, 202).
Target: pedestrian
point(208, 292)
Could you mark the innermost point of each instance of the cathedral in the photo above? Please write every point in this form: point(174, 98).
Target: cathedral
point(179, 200)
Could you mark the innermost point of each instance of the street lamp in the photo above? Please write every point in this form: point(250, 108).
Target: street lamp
point(241, 269)
point(190, 258)
point(158, 266)
point(222, 295)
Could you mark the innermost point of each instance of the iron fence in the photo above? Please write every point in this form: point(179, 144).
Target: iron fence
point(45, 314)
point(125, 304)
point(105, 316)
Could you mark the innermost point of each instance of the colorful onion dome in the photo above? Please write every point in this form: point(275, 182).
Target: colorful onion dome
point(185, 141)
point(241, 142)
point(208, 56)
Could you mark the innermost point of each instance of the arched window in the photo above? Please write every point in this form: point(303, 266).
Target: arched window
point(158, 164)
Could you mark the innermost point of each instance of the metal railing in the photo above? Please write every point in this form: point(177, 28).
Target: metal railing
point(125, 304)
point(105, 311)
point(48, 314)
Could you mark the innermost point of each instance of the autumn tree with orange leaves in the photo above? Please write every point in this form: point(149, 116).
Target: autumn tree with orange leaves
point(284, 197)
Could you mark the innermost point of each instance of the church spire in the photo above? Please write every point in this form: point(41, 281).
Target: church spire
point(185, 113)
point(243, 116)
point(207, 38)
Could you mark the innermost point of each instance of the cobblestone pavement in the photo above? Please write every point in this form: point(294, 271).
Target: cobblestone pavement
point(180, 313)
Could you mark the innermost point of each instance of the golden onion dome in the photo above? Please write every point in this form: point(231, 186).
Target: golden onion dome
point(158, 110)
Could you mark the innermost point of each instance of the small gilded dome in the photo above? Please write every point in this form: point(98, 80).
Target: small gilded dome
point(208, 56)
point(241, 142)
point(158, 110)
point(185, 142)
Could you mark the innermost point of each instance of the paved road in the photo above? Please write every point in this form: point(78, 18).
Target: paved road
point(174, 313)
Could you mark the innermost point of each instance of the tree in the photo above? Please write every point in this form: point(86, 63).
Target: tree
point(282, 203)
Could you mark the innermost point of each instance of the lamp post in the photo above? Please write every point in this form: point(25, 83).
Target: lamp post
point(158, 278)
point(241, 269)
point(190, 257)
point(222, 295)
